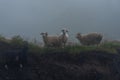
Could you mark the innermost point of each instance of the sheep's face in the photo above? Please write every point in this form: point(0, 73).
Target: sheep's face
point(78, 35)
point(44, 34)
point(64, 32)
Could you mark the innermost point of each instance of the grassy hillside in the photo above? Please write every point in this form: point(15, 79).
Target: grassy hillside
point(69, 63)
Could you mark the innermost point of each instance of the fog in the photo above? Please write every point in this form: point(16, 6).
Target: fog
point(29, 18)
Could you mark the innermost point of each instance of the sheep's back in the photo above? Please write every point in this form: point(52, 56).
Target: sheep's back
point(53, 41)
point(91, 39)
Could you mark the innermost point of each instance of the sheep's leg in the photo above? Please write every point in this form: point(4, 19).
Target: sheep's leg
point(63, 45)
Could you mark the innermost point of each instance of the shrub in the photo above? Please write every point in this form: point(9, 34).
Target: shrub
point(17, 41)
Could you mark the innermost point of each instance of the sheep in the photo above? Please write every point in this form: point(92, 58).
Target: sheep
point(89, 39)
point(55, 41)
point(64, 37)
point(51, 41)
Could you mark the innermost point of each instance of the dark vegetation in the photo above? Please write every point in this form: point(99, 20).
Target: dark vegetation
point(69, 63)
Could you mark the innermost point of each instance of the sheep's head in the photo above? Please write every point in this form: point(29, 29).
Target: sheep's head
point(78, 35)
point(45, 34)
point(65, 32)
point(42, 33)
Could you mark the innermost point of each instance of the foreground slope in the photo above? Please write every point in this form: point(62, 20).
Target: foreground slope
point(89, 65)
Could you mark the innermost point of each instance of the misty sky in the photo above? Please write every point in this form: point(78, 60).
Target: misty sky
point(28, 18)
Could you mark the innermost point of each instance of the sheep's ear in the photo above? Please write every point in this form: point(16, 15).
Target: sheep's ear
point(46, 33)
point(62, 30)
point(41, 33)
point(78, 33)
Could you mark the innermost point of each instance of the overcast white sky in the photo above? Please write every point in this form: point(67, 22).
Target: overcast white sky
point(30, 17)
